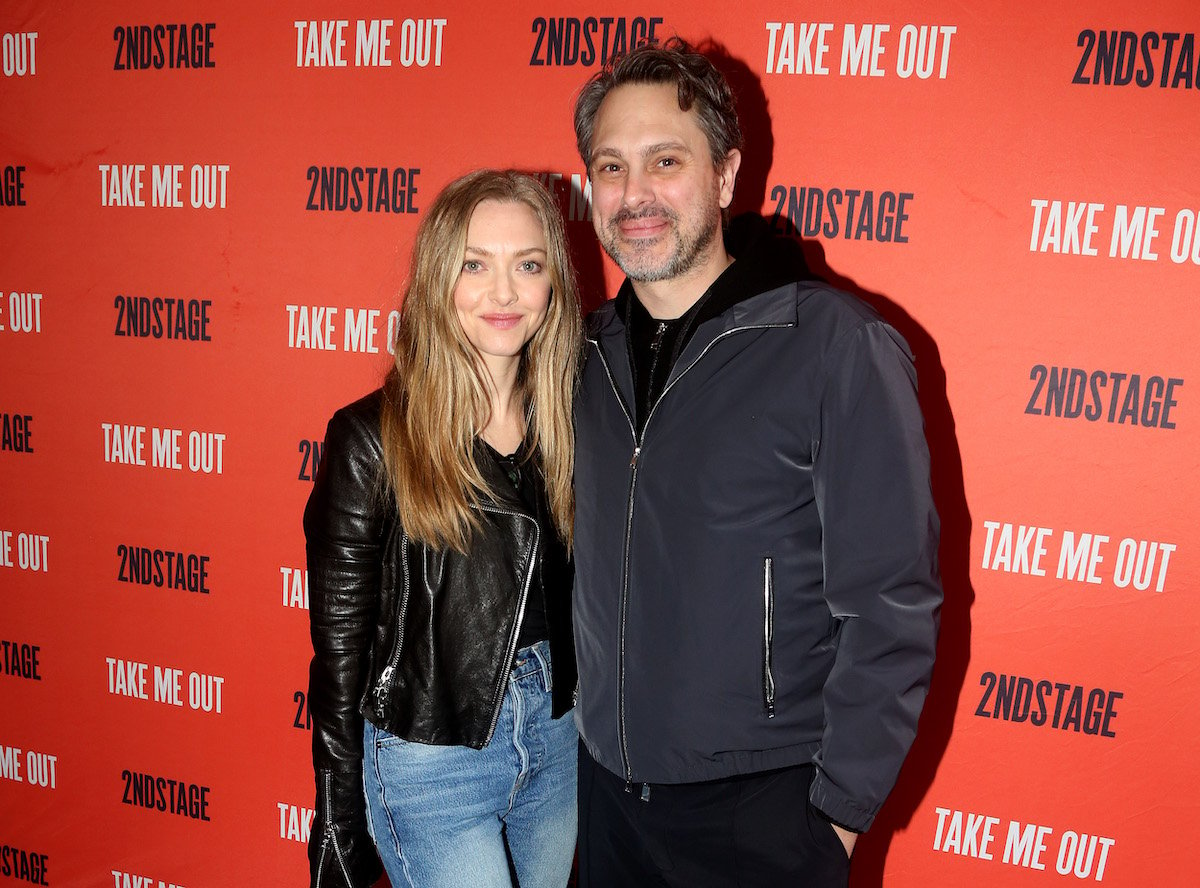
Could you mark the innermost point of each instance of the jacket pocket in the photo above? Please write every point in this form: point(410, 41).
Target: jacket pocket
point(768, 677)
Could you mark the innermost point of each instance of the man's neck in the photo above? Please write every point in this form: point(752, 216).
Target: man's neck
point(669, 299)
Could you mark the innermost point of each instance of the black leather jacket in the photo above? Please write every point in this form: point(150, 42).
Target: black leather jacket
point(419, 641)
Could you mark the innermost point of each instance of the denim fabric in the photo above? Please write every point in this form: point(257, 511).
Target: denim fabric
point(442, 815)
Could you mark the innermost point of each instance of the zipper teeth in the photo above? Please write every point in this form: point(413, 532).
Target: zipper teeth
point(624, 615)
point(656, 347)
point(768, 634)
point(385, 676)
point(330, 835)
point(637, 447)
point(512, 641)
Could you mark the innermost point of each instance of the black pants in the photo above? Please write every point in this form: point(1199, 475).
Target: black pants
point(751, 831)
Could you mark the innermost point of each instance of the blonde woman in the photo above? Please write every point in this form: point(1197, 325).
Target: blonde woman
point(438, 531)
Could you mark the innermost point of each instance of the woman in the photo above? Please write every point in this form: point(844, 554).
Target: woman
point(437, 533)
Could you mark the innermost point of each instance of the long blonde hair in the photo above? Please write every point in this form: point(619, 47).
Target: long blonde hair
point(436, 396)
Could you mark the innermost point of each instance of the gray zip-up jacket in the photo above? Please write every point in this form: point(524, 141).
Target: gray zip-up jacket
point(756, 577)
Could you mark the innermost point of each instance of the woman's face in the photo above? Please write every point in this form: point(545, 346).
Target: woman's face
point(503, 288)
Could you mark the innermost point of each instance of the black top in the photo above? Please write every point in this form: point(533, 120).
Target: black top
point(654, 344)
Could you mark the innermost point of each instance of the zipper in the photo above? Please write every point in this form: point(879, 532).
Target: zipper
point(658, 336)
point(637, 449)
point(768, 633)
point(330, 838)
point(633, 470)
point(385, 677)
point(498, 695)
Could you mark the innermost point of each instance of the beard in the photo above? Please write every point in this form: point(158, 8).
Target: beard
point(643, 260)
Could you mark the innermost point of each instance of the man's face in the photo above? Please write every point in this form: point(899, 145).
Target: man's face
point(656, 196)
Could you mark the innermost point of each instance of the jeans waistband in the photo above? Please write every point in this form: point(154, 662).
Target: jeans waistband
point(531, 661)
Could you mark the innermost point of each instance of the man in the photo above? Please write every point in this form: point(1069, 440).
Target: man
point(756, 591)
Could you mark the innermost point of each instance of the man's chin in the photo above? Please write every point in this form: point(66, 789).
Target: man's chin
point(641, 267)
point(645, 273)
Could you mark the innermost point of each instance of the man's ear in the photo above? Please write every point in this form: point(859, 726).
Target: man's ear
point(727, 171)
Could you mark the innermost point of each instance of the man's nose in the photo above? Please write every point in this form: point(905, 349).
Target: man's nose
point(638, 190)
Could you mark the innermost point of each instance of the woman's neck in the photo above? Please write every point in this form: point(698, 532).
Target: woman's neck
point(506, 423)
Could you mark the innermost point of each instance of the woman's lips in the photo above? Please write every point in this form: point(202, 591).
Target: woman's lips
point(503, 321)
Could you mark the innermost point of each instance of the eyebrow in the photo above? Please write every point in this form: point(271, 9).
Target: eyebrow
point(649, 150)
point(481, 251)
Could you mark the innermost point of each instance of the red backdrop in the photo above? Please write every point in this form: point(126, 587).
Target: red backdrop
point(206, 212)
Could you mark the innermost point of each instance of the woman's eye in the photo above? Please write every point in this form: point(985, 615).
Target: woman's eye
point(531, 266)
point(471, 265)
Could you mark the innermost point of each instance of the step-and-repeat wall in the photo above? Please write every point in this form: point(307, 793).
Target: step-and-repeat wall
point(206, 213)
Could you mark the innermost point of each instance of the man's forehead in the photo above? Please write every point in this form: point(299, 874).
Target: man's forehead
point(645, 114)
point(661, 95)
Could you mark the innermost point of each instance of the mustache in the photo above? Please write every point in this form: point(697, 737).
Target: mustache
point(650, 212)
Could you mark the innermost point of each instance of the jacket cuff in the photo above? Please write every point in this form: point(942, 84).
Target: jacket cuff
point(837, 806)
point(340, 850)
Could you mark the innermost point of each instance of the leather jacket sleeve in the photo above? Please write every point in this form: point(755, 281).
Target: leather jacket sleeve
point(343, 527)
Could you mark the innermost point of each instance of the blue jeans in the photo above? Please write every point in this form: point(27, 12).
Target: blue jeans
point(442, 815)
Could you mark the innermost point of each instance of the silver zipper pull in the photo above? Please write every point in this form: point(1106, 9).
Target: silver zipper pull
point(384, 678)
point(658, 336)
point(633, 459)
